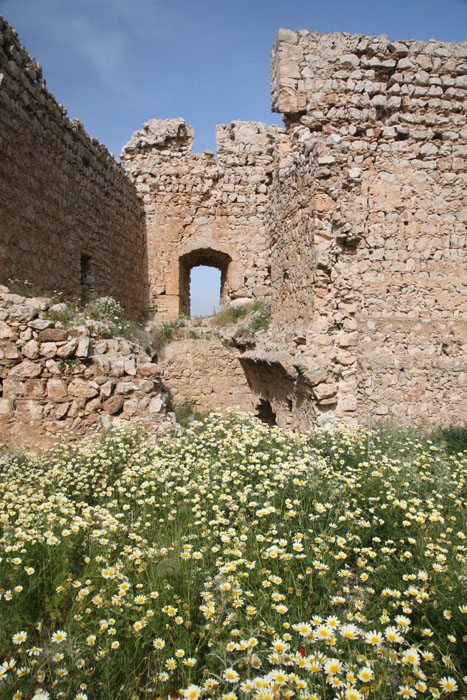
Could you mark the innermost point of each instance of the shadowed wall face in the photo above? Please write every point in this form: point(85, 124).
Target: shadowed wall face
point(70, 219)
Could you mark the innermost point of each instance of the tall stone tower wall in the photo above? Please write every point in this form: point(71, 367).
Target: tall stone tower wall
point(368, 224)
point(70, 219)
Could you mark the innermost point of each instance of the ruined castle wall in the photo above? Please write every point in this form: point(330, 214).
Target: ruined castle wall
point(65, 203)
point(203, 211)
point(206, 373)
point(56, 380)
point(379, 143)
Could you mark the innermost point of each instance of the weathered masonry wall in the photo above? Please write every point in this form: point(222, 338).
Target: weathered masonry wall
point(70, 219)
point(207, 373)
point(202, 211)
point(368, 222)
point(55, 381)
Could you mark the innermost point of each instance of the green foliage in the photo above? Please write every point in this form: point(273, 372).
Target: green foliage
point(185, 412)
point(454, 438)
point(67, 365)
point(233, 557)
point(23, 288)
point(231, 315)
point(107, 309)
point(258, 320)
point(257, 315)
point(67, 314)
point(166, 332)
point(134, 332)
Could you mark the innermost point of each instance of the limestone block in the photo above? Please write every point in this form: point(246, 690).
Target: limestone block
point(82, 349)
point(113, 405)
point(52, 335)
point(106, 389)
point(325, 390)
point(82, 389)
point(349, 60)
point(40, 324)
point(61, 410)
point(57, 389)
point(148, 369)
point(130, 407)
point(130, 367)
point(26, 369)
point(31, 349)
point(48, 349)
point(347, 403)
point(6, 333)
point(68, 350)
point(94, 404)
point(12, 388)
point(125, 387)
point(34, 388)
point(5, 407)
point(9, 351)
point(155, 405)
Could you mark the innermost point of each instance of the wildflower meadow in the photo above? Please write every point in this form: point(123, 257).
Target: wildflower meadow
point(235, 561)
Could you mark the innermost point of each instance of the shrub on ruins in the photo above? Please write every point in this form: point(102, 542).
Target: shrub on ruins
point(109, 310)
point(166, 332)
point(257, 316)
point(258, 319)
point(22, 288)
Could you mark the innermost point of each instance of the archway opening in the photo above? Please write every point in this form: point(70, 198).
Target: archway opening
point(205, 290)
point(208, 269)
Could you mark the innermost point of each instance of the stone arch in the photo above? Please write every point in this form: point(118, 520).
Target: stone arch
point(203, 256)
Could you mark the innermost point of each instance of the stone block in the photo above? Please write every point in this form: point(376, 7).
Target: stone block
point(82, 389)
point(155, 405)
point(31, 349)
point(82, 349)
point(57, 389)
point(325, 390)
point(25, 370)
point(55, 335)
point(6, 332)
point(5, 408)
point(68, 350)
point(113, 405)
point(34, 388)
point(48, 349)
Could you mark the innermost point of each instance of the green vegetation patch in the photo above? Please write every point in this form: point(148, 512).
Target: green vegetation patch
point(235, 561)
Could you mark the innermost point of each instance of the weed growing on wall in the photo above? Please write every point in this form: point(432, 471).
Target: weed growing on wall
point(23, 288)
point(235, 561)
point(258, 320)
point(107, 309)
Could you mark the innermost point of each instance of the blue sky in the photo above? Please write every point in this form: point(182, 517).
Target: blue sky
point(116, 63)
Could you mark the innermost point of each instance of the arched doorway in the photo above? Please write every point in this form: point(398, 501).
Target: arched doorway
point(201, 257)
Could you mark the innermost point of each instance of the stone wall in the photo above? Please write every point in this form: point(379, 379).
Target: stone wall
point(368, 221)
point(70, 219)
point(56, 380)
point(351, 220)
point(203, 211)
point(206, 373)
